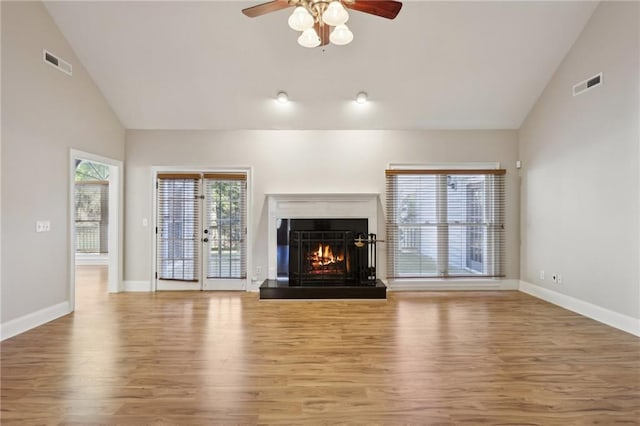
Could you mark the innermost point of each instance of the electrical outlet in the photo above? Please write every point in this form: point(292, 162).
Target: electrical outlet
point(541, 274)
point(258, 270)
point(43, 226)
point(559, 278)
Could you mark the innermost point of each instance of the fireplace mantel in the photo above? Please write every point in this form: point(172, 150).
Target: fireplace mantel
point(321, 206)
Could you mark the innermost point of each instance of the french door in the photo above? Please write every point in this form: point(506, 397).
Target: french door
point(201, 232)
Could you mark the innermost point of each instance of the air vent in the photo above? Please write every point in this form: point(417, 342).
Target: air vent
point(588, 84)
point(56, 62)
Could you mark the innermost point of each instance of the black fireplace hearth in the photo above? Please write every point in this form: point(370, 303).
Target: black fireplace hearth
point(324, 258)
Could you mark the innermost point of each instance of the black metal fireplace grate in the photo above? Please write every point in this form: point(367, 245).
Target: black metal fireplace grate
point(331, 258)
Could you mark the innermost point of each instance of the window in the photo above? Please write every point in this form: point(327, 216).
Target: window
point(92, 216)
point(92, 207)
point(445, 223)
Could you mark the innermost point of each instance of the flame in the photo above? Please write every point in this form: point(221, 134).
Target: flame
point(324, 257)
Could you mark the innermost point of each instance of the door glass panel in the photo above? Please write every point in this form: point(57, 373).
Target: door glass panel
point(178, 229)
point(225, 227)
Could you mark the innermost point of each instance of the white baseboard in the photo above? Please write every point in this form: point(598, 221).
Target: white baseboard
point(254, 285)
point(33, 320)
point(440, 285)
point(133, 286)
point(92, 260)
point(589, 310)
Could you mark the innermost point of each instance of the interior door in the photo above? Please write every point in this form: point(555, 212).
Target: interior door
point(224, 231)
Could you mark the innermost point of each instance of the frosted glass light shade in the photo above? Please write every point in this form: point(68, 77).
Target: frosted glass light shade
point(282, 97)
point(309, 38)
point(300, 19)
point(335, 14)
point(341, 35)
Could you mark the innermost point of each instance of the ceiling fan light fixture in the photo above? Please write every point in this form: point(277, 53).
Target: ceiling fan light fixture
point(335, 14)
point(341, 35)
point(309, 38)
point(300, 19)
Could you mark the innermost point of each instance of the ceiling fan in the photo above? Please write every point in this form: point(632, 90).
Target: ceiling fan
point(315, 18)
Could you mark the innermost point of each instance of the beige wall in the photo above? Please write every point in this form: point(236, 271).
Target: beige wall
point(296, 162)
point(45, 113)
point(580, 178)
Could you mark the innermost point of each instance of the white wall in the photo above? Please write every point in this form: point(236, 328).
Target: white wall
point(580, 178)
point(302, 162)
point(45, 113)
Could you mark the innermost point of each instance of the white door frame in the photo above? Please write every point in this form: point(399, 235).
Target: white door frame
point(114, 233)
point(154, 214)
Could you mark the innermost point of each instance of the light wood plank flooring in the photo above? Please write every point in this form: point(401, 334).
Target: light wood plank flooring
point(227, 358)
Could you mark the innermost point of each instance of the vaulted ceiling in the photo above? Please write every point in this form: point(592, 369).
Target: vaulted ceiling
point(438, 65)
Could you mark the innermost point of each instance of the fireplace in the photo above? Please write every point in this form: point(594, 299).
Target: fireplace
point(301, 226)
point(326, 252)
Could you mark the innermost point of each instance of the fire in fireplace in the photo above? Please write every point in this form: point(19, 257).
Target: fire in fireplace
point(324, 260)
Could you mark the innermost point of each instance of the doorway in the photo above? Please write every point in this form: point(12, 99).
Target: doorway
point(201, 231)
point(94, 225)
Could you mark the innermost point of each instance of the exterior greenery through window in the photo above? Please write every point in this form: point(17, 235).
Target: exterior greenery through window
point(92, 207)
point(227, 226)
point(445, 223)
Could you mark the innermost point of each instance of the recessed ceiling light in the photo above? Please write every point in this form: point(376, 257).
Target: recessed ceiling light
point(361, 97)
point(282, 97)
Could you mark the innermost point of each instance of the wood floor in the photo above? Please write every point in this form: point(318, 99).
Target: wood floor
point(460, 358)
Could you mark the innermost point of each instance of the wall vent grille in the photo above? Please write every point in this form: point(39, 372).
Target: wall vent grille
point(56, 62)
point(587, 84)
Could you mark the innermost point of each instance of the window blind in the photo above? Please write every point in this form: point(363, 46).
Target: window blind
point(226, 228)
point(178, 227)
point(92, 216)
point(445, 223)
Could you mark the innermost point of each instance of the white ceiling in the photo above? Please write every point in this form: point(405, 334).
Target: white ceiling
point(204, 65)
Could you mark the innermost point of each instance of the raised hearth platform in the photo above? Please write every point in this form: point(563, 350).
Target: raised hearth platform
point(273, 289)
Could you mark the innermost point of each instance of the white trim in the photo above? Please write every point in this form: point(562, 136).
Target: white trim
point(169, 285)
point(444, 166)
point(83, 259)
point(136, 286)
point(254, 285)
point(33, 320)
point(311, 206)
point(116, 216)
point(443, 285)
point(598, 313)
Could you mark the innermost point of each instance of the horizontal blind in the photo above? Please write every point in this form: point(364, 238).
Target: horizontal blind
point(178, 227)
point(226, 225)
point(92, 216)
point(445, 223)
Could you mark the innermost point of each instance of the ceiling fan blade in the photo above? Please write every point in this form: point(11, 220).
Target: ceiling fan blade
point(385, 8)
point(265, 8)
point(323, 33)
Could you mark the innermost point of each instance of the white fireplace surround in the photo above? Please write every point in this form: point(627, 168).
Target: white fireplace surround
point(320, 206)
